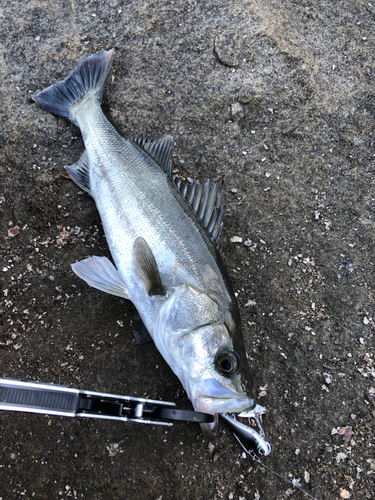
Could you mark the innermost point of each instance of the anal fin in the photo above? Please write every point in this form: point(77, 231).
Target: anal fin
point(79, 172)
point(145, 267)
point(100, 273)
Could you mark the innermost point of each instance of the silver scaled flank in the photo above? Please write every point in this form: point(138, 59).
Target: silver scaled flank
point(163, 236)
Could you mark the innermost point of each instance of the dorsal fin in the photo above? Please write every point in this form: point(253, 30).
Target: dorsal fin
point(160, 150)
point(205, 201)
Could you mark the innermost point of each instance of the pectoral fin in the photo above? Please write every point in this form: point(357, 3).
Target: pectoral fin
point(100, 273)
point(145, 267)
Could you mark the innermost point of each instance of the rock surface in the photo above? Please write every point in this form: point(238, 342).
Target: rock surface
point(278, 98)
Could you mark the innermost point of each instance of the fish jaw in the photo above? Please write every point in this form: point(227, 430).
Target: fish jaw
point(211, 397)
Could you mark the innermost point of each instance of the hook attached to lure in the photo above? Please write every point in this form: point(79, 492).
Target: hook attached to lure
point(246, 433)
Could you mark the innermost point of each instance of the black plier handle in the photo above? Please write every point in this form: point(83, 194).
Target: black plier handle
point(50, 399)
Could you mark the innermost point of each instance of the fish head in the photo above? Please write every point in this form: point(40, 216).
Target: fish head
point(218, 379)
point(203, 346)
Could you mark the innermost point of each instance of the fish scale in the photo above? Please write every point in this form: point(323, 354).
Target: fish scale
point(139, 212)
point(163, 235)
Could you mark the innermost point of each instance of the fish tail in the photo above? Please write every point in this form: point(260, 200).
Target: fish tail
point(86, 80)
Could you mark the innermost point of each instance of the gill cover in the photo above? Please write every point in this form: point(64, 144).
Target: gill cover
point(185, 310)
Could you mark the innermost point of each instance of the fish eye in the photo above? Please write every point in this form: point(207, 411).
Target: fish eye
point(226, 362)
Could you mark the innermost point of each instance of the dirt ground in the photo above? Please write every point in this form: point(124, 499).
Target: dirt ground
point(278, 98)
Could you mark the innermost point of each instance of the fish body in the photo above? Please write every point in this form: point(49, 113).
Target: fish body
point(163, 237)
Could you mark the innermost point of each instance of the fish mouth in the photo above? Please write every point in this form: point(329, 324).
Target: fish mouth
point(207, 404)
point(214, 398)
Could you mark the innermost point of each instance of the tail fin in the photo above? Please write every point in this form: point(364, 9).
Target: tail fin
point(88, 76)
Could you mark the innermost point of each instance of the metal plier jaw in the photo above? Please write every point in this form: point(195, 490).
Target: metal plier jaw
point(50, 399)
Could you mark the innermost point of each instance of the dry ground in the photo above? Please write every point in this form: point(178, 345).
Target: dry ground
point(278, 98)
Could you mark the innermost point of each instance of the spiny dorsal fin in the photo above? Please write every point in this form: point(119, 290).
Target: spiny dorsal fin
point(145, 267)
point(79, 172)
point(160, 150)
point(205, 201)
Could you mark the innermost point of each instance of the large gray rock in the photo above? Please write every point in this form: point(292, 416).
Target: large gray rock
point(278, 98)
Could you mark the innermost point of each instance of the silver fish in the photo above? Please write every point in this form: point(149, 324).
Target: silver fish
point(163, 236)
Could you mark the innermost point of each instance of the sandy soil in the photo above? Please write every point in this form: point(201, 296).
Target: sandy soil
point(278, 98)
